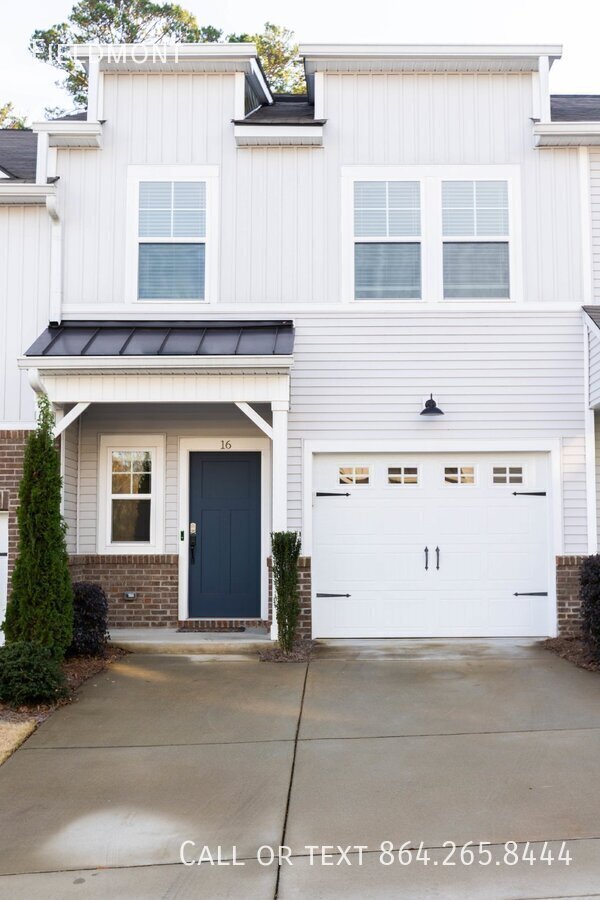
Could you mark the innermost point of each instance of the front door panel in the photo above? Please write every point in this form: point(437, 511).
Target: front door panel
point(224, 572)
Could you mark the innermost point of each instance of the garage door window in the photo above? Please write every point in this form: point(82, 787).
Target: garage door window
point(403, 475)
point(354, 475)
point(507, 475)
point(459, 475)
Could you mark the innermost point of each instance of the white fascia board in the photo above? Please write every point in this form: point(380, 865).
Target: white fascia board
point(25, 193)
point(567, 134)
point(111, 55)
point(278, 135)
point(198, 364)
point(71, 134)
point(430, 51)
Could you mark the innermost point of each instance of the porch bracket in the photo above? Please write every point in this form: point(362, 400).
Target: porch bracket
point(254, 417)
point(70, 417)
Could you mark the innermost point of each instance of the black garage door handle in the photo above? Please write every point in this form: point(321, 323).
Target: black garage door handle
point(334, 595)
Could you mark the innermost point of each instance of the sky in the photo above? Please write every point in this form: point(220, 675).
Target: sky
point(30, 84)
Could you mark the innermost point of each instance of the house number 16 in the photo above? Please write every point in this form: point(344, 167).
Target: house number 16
point(225, 445)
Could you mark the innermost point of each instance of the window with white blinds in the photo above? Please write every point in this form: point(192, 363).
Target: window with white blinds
point(172, 240)
point(387, 245)
point(475, 226)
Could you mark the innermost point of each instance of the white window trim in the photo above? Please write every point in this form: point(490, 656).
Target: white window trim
point(156, 444)
point(431, 238)
point(208, 174)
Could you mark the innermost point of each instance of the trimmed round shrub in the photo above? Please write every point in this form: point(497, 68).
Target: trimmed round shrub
point(590, 602)
point(30, 674)
point(90, 615)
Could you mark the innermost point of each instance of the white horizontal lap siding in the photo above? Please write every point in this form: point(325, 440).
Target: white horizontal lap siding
point(508, 376)
point(24, 301)
point(594, 365)
point(223, 421)
point(594, 156)
point(70, 437)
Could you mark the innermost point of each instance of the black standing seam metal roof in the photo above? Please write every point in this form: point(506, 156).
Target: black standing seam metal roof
point(114, 338)
point(287, 109)
point(594, 314)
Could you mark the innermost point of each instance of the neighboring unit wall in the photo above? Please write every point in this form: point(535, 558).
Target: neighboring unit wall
point(595, 210)
point(506, 376)
point(24, 302)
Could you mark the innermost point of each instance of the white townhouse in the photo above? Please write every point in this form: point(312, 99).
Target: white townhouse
point(357, 313)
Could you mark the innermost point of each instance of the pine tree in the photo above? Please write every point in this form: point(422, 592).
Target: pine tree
point(41, 604)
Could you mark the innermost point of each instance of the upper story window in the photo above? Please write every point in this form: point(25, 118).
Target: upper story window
point(387, 229)
point(475, 229)
point(172, 236)
point(430, 233)
point(172, 250)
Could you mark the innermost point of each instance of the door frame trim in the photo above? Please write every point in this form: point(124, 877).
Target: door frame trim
point(551, 447)
point(189, 445)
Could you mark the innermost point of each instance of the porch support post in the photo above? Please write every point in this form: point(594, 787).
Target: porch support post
point(279, 520)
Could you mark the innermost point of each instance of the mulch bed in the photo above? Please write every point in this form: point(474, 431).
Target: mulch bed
point(575, 650)
point(301, 652)
point(77, 671)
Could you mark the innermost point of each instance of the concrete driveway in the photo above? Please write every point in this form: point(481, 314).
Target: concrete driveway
point(395, 741)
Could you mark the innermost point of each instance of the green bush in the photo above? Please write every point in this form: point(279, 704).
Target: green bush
point(40, 609)
point(590, 602)
point(90, 613)
point(286, 547)
point(29, 675)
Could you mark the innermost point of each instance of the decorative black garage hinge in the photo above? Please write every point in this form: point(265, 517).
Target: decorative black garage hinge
point(334, 595)
point(328, 494)
point(532, 594)
point(529, 493)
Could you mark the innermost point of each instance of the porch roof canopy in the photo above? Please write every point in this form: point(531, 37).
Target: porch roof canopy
point(82, 362)
point(164, 339)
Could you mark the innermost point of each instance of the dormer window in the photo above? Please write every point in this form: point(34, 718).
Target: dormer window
point(172, 254)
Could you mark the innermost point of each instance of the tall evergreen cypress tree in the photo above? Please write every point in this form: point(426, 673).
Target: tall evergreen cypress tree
point(41, 603)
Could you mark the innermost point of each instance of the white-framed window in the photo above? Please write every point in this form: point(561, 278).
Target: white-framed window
point(354, 475)
point(459, 474)
point(172, 234)
point(431, 233)
point(387, 240)
point(131, 494)
point(507, 474)
point(403, 475)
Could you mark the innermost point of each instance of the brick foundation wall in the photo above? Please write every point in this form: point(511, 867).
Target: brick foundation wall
point(305, 595)
point(12, 448)
point(153, 578)
point(567, 595)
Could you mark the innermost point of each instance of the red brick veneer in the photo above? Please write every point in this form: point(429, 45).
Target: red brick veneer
point(154, 578)
point(568, 604)
point(12, 448)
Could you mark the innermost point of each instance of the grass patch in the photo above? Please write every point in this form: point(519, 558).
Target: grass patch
point(12, 735)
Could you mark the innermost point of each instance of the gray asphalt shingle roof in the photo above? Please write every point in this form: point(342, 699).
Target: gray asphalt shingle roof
point(114, 338)
point(18, 150)
point(575, 107)
point(288, 109)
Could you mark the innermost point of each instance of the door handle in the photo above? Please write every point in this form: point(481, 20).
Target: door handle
point(426, 558)
point(193, 542)
point(437, 557)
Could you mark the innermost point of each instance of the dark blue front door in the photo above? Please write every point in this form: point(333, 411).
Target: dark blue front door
point(225, 563)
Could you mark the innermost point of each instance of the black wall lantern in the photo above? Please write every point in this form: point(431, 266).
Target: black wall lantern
point(431, 408)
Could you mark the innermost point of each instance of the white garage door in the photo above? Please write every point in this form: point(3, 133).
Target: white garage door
point(431, 545)
point(3, 568)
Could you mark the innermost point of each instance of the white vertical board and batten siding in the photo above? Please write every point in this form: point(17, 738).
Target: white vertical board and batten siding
point(594, 156)
point(24, 302)
point(280, 230)
point(507, 376)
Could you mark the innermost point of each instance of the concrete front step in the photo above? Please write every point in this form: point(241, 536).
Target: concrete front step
point(167, 640)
